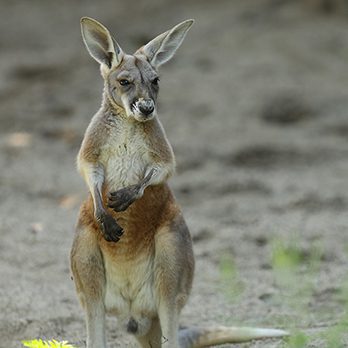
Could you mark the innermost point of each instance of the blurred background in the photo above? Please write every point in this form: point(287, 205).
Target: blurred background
point(255, 105)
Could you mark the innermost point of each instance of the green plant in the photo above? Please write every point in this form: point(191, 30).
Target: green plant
point(295, 271)
point(230, 281)
point(297, 339)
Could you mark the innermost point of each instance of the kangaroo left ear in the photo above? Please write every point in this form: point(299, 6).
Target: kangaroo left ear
point(162, 48)
point(99, 43)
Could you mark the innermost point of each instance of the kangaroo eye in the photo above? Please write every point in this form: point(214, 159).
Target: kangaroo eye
point(155, 81)
point(124, 82)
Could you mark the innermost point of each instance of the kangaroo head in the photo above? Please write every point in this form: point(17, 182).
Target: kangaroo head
point(131, 81)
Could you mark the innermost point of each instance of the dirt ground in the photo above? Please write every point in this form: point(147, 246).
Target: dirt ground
point(255, 104)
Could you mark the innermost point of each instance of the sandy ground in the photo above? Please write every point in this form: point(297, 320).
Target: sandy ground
point(255, 104)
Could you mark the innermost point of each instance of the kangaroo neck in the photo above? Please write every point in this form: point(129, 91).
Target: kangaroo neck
point(109, 106)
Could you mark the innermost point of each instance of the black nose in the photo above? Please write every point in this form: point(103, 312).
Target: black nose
point(146, 107)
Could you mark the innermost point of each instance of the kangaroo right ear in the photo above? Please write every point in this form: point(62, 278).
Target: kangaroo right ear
point(99, 43)
point(162, 48)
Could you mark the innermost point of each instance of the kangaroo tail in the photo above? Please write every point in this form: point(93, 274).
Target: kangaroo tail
point(205, 337)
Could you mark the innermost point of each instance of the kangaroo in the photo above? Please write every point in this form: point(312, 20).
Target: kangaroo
point(132, 252)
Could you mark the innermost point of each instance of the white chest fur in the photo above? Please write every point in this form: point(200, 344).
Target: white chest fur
point(125, 156)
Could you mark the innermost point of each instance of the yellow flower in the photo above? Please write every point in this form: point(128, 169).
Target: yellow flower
point(46, 344)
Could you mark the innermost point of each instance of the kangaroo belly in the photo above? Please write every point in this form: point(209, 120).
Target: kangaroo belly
point(129, 292)
point(130, 289)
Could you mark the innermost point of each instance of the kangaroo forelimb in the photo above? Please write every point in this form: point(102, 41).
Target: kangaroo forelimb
point(121, 199)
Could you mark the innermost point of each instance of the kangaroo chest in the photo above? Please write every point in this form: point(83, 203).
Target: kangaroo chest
point(125, 157)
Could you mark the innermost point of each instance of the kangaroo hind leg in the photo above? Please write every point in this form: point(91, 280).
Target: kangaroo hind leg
point(88, 272)
point(173, 276)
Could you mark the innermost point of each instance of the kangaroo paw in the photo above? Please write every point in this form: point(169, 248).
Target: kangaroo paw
point(111, 230)
point(120, 200)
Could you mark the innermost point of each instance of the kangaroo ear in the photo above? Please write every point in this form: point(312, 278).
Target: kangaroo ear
point(162, 48)
point(99, 43)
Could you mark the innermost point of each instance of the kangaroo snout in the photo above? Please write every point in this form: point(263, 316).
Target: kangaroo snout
point(143, 109)
point(146, 106)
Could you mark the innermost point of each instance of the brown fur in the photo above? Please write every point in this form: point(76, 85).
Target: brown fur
point(142, 220)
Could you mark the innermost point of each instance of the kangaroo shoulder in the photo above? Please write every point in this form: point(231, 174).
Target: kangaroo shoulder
point(97, 135)
point(158, 141)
